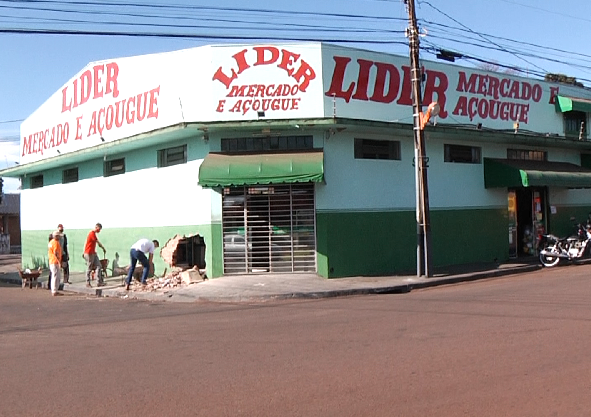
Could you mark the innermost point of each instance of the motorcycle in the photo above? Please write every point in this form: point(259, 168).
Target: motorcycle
point(552, 249)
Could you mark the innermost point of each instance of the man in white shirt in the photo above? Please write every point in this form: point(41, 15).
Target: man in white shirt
point(138, 253)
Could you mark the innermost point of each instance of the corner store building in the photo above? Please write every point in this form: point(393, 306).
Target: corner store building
point(299, 158)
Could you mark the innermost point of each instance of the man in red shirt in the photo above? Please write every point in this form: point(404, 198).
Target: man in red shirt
point(92, 259)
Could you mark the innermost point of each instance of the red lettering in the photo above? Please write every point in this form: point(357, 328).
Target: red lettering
point(266, 55)
point(75, 93)
point(461, 108)
point(26, 146)
point(405, 98)
point(111, 84)
point(109, 117)
point(468, 86)
point(92, 126)
point(493, 87)
point(287, 60)
point(89, 85)
point(242, 65)
point(85, 86)
point(153, 107)
point(363, 80)
point(65, 107)
point(140, 116)
point(78, 128)
point(307, 73)
point(220, 107)
point(504, 87)
point(338, 76)
point(98, 70)
point(526, 90)
point(553, 94)
point(261, 55)
point(436, 85)
point(119, 111)
point(380, 93)
point(514, 92)
point(130, 116)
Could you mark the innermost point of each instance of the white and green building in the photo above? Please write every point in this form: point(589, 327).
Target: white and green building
point(289, 158)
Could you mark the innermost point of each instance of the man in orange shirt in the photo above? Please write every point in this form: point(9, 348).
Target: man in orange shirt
point(54, 253)
point(91, 258)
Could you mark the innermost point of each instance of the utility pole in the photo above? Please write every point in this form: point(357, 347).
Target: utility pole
point(421, 185)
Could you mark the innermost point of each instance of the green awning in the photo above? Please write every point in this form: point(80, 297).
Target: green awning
point(518, 173)
point(564, 104)
point(224, 170)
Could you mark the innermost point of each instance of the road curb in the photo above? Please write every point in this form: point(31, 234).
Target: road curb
point(401, 288)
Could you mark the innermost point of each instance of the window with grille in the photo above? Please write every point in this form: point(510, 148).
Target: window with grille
point(114, 167)
point(527, 155)
point(574, 122)
point(70, 175)
point(377, 149)
point(462, 154)
point(37, 181)
point(279, 143)
point(172, 156)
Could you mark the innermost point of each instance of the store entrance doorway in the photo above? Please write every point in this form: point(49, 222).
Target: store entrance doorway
point(527, 219)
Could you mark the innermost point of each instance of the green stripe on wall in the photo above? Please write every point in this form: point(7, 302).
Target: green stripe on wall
point(118, 243)
point(370, 243)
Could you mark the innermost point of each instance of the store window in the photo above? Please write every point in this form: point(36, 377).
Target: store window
point(37, 181)
point(268, 143)
point(377, 149)
point(527, 155)
point(114, 167)
point(462, 154)
point(172, 156)
point(70, 175)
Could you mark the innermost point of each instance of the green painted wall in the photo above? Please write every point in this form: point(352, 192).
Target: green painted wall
point(469, 235)
point(383, 243)
point(118, 242)
point(566, 217)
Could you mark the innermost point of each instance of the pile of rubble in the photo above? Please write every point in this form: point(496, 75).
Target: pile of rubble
point(176, 279)
point(175, 254)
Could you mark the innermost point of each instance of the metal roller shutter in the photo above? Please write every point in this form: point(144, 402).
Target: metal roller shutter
point(269, 229)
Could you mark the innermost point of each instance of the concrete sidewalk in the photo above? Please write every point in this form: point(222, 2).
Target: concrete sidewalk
point(260, 288)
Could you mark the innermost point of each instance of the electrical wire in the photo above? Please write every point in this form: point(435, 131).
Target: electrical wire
point(352, 28)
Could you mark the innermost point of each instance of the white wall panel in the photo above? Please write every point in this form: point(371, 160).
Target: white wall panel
point(146, 198)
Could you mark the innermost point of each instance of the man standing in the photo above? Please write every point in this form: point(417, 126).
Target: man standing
point(91, 258)
point(63, 239)
point(138, 253)
point(54, 254)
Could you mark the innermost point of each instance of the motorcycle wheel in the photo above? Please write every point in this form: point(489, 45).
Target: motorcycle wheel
point(549, 260)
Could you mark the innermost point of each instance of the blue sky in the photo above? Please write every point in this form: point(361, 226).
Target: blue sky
point(34, 66)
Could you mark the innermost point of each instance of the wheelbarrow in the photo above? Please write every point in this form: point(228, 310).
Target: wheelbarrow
point(104, 264)
point(30, 277)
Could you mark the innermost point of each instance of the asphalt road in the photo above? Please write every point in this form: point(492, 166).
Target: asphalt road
point(510, 346)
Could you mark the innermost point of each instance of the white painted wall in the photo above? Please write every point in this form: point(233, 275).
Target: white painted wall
point(364, 184)
point(151, 197)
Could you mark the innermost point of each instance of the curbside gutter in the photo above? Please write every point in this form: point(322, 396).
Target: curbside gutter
point(402, 285)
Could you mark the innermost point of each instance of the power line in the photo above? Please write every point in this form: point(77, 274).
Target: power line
point(358, 28)
point(482, 36)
